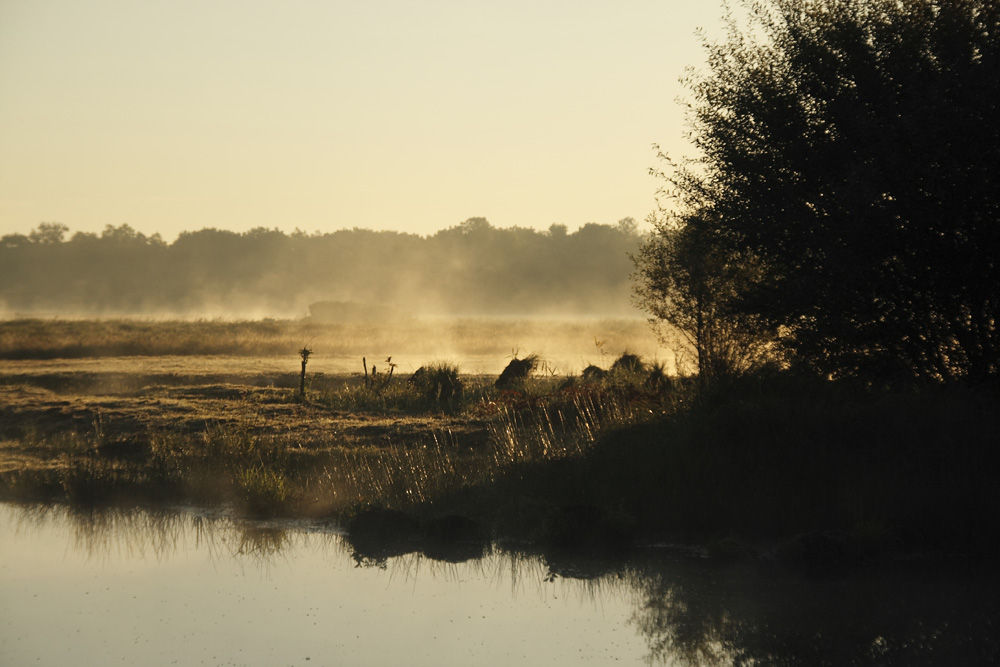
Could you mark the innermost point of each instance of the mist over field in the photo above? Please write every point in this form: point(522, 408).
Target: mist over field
point(471, 269)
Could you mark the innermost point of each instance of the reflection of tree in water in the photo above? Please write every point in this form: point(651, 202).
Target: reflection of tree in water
point(675, 632)
point(690, 611)
point(705, 615)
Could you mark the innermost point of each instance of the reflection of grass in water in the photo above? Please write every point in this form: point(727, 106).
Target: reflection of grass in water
point(115, 532)
point(111, 531)
point(262, 543)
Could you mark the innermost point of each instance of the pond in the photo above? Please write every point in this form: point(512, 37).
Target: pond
point(181, 587)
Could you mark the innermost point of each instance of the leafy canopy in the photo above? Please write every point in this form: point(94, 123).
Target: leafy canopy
point(848, 153)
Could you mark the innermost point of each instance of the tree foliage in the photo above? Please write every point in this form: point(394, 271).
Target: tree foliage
point(687, 285)
point(851, 149)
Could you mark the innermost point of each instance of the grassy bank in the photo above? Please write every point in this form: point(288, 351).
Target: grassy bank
point(764, 462)
point(389, 441)
point(585, 462)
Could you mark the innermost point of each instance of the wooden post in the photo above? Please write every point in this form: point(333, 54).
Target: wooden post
point(304, 353)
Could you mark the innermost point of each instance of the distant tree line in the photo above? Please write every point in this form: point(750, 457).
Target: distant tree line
point(472, 268)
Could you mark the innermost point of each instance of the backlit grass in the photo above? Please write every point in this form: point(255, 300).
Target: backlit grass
point(245, 462)
point(573, 341)
point(623, 451)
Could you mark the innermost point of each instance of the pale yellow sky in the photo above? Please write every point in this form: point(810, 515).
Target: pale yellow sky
point(322, 115)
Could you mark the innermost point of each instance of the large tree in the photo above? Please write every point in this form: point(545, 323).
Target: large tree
point(851, 148)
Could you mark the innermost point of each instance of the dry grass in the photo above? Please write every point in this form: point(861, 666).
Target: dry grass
point(260, 449)
point(263, 450)
point(478, 345)
point(97, 411)
point(762, 459)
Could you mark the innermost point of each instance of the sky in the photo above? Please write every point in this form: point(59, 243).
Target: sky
point(319, 115)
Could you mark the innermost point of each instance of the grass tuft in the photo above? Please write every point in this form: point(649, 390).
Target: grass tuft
point(517, 372)
point(261, 490)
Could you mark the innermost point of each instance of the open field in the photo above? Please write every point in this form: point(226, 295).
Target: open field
point(82, 420)
point(477, 345)
point(190, 409)
point(192, 439)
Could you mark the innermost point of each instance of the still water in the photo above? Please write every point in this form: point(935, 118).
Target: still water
point(163, 588)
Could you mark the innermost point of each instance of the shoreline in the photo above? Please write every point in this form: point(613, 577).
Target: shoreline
point(832, 472)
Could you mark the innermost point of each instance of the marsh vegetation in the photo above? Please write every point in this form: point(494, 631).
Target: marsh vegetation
point(616, 454)
point(218, 432)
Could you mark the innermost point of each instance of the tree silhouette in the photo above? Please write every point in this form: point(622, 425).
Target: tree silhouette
point(851, 149)
point(472, 268)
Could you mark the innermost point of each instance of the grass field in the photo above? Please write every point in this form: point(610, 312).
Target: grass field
point(477, 345)
point(84, 420)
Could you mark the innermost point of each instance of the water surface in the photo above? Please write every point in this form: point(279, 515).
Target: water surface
point(168, 588)
point(164, 587)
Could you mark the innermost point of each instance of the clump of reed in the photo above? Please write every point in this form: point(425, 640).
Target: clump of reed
point(400, 476)
point(566, 420)
point(360, 398)
point(432, 388)
point(629, 371)
point(564, 423)
point(438, 382)
point(262, 491)
point(517, 372)
point(628, 363)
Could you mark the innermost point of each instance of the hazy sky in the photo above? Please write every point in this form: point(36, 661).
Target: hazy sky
point(176, 115)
